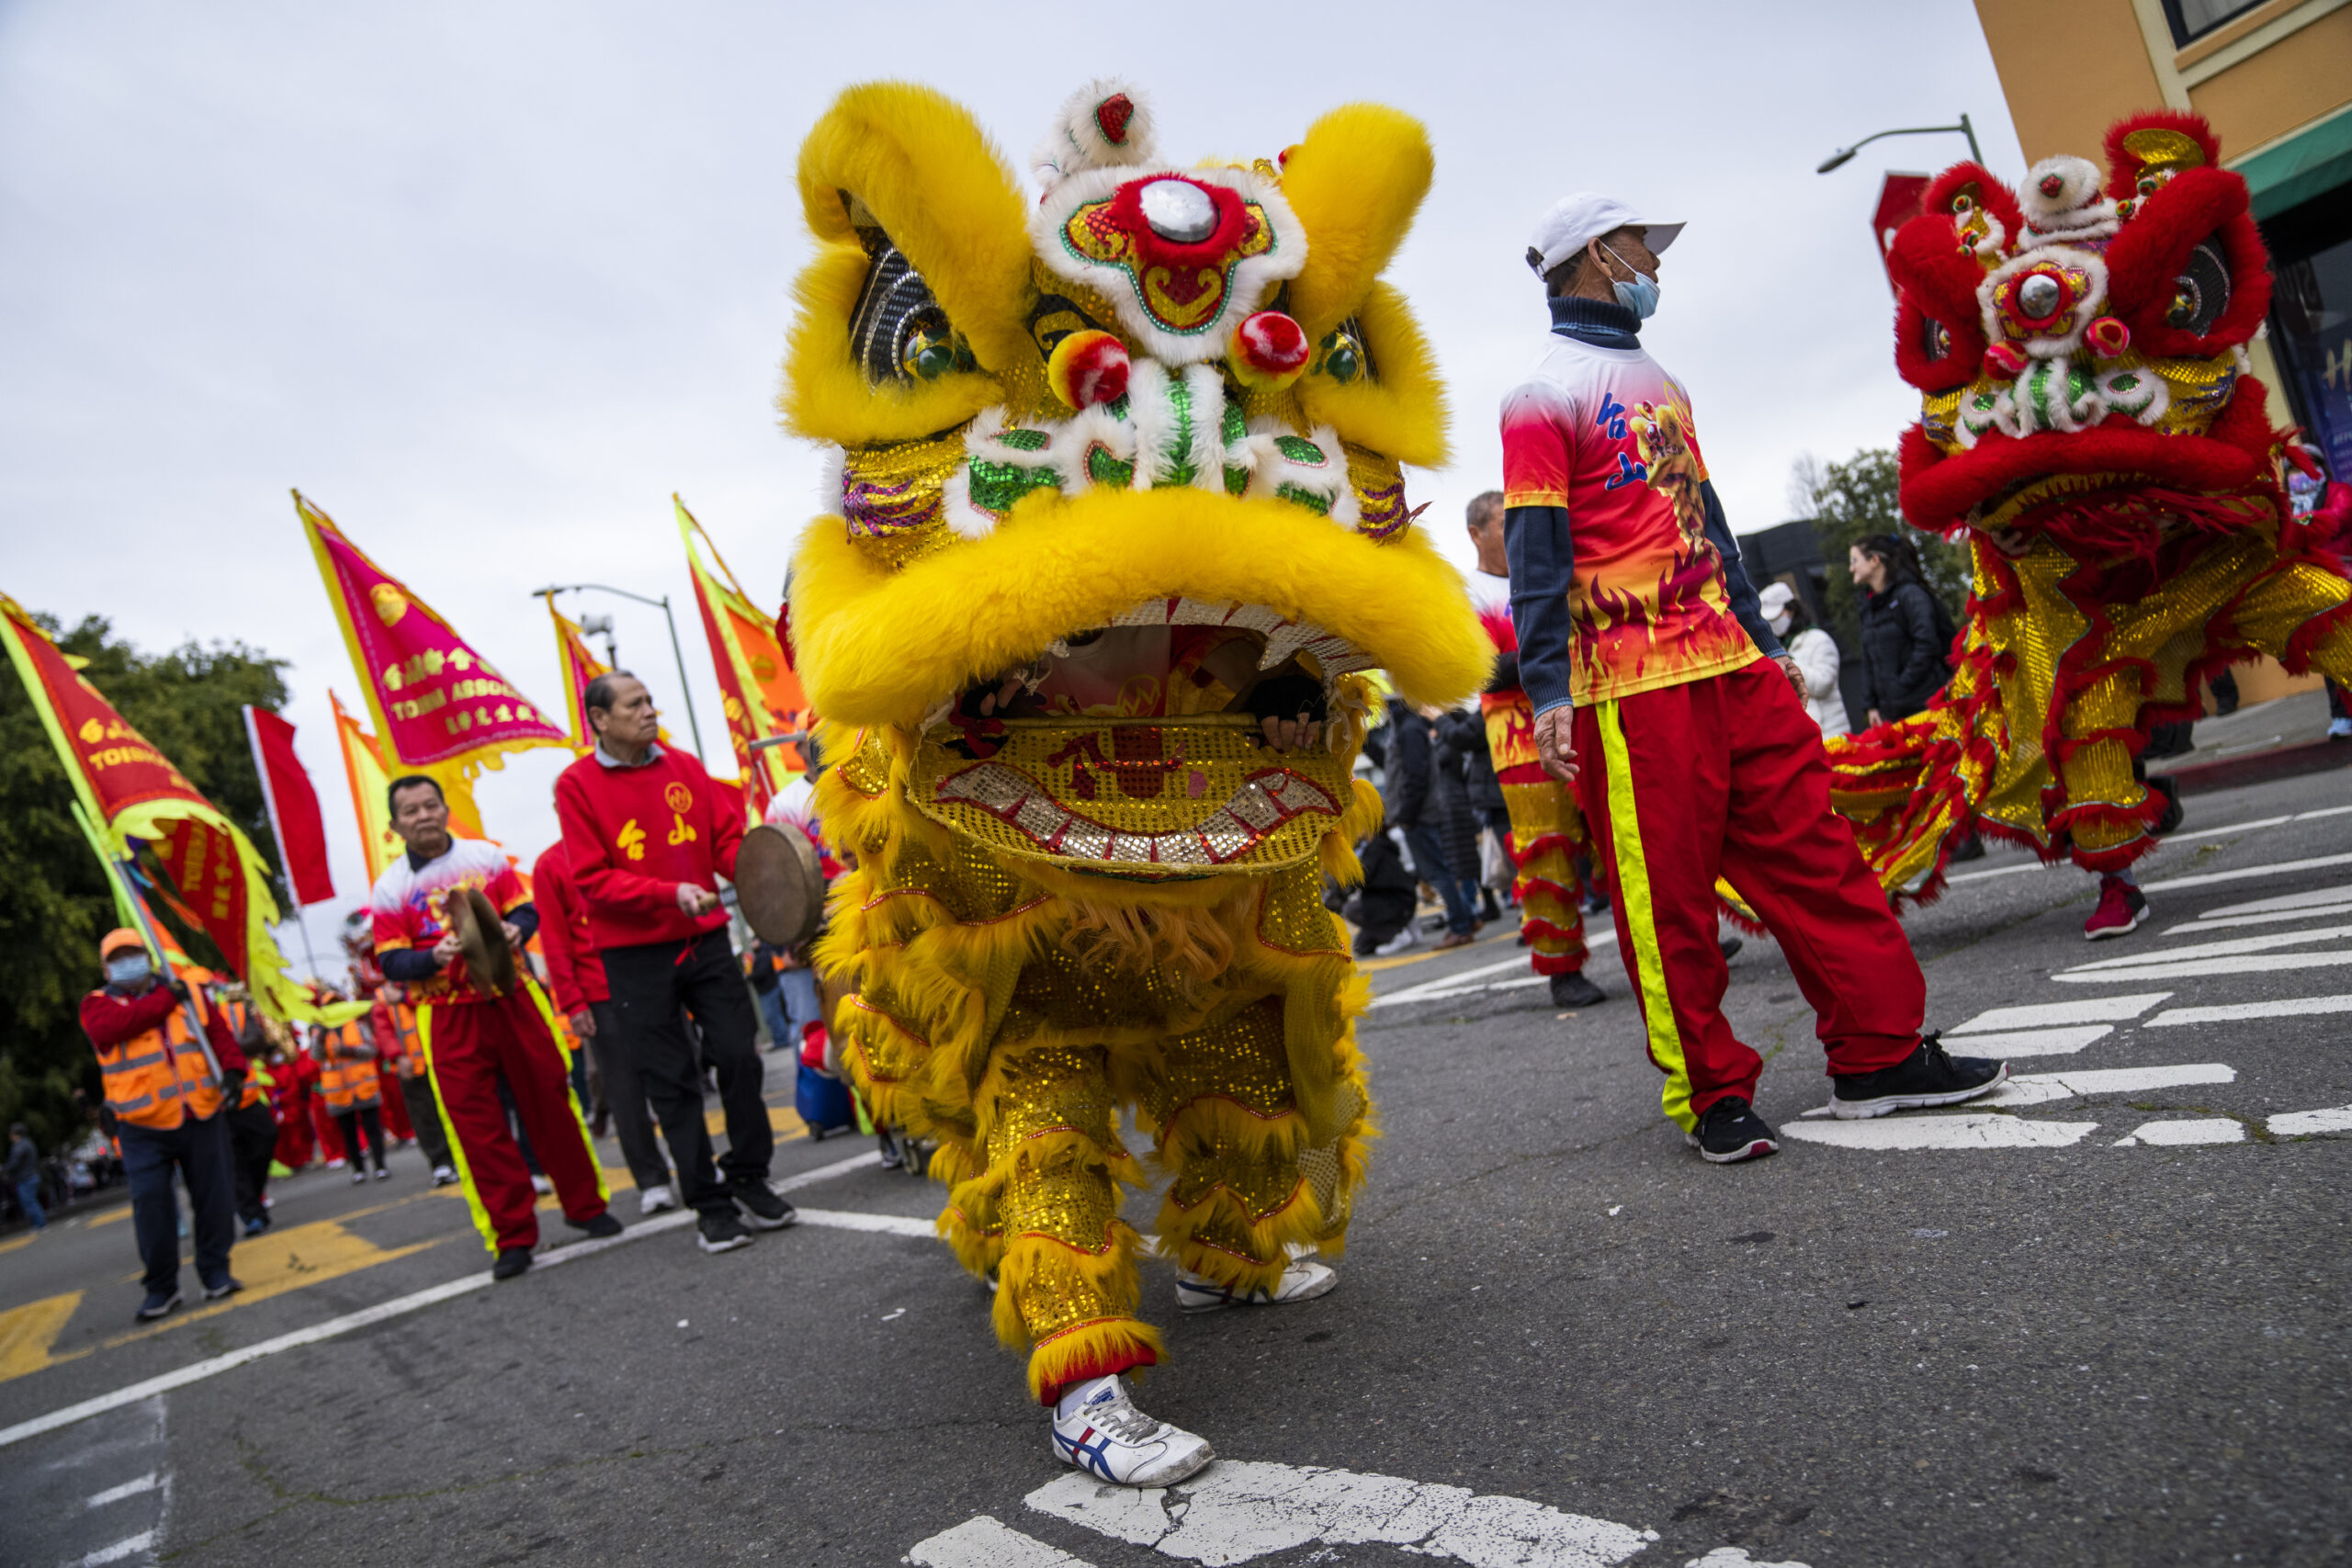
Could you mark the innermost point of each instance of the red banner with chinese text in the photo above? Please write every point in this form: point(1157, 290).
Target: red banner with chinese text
point(756, 682)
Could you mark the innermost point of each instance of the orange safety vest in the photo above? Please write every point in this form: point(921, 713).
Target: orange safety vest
point(159, 1078)
point(258, 1083)
point(347, 1082)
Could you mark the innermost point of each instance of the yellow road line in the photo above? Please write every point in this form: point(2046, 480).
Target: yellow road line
point(276, 1262)
point(28, 1333)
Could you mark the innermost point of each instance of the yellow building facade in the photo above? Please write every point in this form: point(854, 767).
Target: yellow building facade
point(2274, 79)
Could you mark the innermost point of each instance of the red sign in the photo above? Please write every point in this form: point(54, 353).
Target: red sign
point(119, 766)
point(1898, 203)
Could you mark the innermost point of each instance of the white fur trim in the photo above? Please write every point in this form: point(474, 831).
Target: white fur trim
point(829, 488)
point(955, 500)
point(1254, 278)
point(1076, 143)
point(1206, 385)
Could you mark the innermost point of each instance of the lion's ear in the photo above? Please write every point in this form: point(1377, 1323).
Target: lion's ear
point(914, 307)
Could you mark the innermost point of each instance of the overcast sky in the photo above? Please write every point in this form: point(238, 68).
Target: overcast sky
point(489, 282)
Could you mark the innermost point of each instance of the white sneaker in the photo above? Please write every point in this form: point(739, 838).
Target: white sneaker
point(653, 1200)
point(2339, 730)
point(1397, 943)
point(1104, 1435)
point(542, 1186)
point(443, 1176)
point(1303, 1282)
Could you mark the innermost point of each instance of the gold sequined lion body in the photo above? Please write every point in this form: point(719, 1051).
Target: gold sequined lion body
point(2089, 425)
point(1119, 499)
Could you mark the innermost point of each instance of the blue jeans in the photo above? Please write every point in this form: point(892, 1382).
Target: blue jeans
point(198, 1151)
point(1460, 892)
point(28, 1200)
point(791, 1007)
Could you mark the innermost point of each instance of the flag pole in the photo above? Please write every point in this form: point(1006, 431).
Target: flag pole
point(277, 837)
point(116, 878)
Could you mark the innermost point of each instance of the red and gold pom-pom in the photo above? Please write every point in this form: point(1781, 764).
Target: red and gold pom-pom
point(1270, 351)
point(2107, 337)
point(1088, 368)
point(2005, 361)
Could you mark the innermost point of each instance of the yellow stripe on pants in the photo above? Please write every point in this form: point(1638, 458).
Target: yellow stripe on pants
point(1633, 892)
point(449, 1130)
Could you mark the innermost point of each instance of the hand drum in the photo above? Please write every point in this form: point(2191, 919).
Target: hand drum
point(779, 884)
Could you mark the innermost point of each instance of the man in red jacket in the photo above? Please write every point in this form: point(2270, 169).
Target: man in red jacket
point(647, 837)
point(166, 1100)
point(576, 976)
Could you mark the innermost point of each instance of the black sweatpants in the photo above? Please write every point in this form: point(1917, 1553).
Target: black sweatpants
point(625, 1094)
point(369, 1120)
point(253, 1142)
point(650, 983)
point(425, 1117)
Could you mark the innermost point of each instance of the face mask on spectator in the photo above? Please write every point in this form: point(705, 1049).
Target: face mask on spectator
point(1779, 624)
point(128, 969)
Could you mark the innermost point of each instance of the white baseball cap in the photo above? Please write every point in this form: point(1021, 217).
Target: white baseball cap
point(1775, 598)
point(1575, 221)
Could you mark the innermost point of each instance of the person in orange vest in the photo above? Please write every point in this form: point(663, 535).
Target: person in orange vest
point(352, 1087)
point(395, 1024)
point(166, 1098)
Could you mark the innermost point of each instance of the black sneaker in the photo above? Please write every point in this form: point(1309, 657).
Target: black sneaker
point(722, 1232)
point(511, 1261)
point(1925, 1078)
point(1731, 946)
point(1572, 990)
point(596, 1229)
point(767, 1211)
point(159, 1303)
point(228, 1285)
point(1730, 1131)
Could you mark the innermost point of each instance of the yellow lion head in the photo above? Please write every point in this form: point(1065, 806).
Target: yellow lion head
point(1158, 396)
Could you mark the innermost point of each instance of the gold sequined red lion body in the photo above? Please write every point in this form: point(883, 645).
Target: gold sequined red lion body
point(2089, 423)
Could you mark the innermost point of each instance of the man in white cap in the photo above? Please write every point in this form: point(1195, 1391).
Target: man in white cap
point(1662, 694)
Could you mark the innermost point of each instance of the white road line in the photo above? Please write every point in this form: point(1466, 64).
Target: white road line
point(2104, 1009)
point(2253, 964)
point(146, 1483)
point(2230, 948)
point(417, 1301)
point(881, 1224)
point(2285, 1007)
point(130, 1546)
point(2282, 868)
point(2302, 1123)
point(1999, 871)
point(826, 1172)
point(985, 1541)
point(2034, 1041)
point(2185, 1132)
point(2039, 1089)
point(2207, 923)
point(1460, 984)
point(2285, 901)
point(1236, 1510)
point(1971, 1130)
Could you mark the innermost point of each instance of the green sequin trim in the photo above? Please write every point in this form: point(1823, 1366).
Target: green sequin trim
point(1025, 440)
point(997, 486)
point(1318, 505)
point(1299, 449)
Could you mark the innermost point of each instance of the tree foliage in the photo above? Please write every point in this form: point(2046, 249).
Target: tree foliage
point(54, 899)
point(1849, 500)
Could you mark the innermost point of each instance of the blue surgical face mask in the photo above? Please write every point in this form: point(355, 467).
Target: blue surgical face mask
point(1639, 296)
point(128, 969)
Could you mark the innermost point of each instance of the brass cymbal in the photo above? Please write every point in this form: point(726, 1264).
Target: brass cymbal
point(481, 938)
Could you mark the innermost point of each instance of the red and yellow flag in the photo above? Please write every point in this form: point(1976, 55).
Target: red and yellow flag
point(440, 707)
point(135, 797)
point(761, 694)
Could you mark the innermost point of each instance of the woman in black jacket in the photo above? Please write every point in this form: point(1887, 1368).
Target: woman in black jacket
point(1905, 639)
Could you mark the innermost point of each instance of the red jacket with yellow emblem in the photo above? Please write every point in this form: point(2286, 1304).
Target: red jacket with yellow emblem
point(633, 836)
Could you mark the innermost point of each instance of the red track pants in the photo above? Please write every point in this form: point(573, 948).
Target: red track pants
point(1725, 777)
point(468, 1046)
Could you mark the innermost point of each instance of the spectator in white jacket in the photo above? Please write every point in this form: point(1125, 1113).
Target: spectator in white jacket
point(1814, 651)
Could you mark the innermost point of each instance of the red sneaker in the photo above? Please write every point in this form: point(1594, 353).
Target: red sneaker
point(2121, 909)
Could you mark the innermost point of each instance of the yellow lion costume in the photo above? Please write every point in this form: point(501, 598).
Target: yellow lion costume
point(1119, 468)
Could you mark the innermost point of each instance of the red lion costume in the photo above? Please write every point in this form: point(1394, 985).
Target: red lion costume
point(2088, 420)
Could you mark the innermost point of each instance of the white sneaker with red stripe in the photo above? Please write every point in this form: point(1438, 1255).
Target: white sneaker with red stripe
point(1098, 1429)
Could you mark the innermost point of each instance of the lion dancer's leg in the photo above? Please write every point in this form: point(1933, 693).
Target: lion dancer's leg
point(1546, 832)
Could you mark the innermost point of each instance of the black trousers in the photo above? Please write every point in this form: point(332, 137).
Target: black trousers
point(358, 1120)
point(198, 1152)
point(253, 1142)
point(425, 1116)
point(650, 983)
point(625, 1094)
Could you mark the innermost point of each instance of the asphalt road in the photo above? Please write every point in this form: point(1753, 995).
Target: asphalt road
point(2101, 1322)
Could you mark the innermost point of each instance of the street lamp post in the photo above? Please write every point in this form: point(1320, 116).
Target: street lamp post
point(1843, 153)
point(662, 603)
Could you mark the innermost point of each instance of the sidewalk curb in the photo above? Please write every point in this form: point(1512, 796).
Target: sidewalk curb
point(2284, 763)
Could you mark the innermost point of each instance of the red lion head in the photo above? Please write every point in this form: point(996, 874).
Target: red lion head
point(2079, 342)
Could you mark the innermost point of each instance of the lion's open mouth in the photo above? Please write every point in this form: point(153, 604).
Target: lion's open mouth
point(1176, 660)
